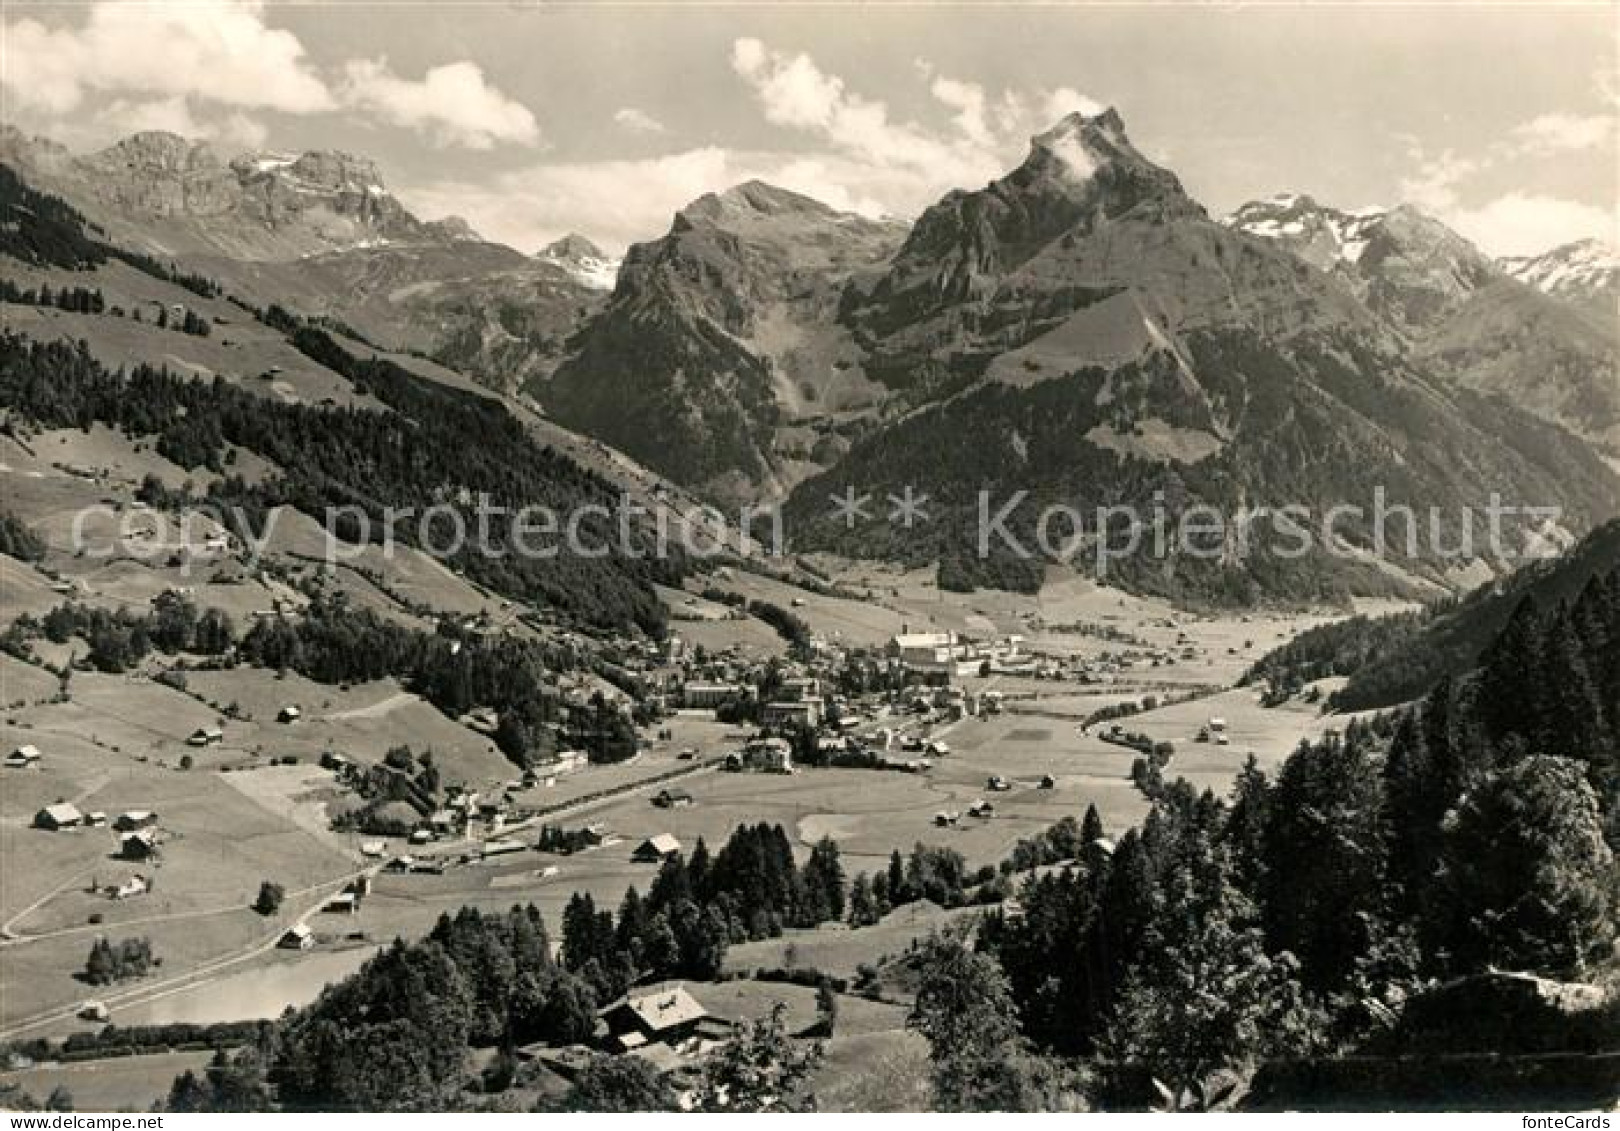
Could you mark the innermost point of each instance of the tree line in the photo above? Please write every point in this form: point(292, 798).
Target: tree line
point(77, 300)
point(120, 639)
point(90, 300)
point(697, 906)
point(18, 540)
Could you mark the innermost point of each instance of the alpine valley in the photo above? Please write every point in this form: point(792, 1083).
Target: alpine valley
point(393, 721)
point(1080, 330)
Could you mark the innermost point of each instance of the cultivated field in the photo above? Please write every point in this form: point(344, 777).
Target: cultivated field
point(131, 1083)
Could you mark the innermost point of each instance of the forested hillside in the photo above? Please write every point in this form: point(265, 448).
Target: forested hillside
point(439, 447)
point(1393, 659)
point(397, 1034)
point(1309, 914)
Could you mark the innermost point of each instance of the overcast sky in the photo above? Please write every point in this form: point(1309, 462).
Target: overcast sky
point(532, 119)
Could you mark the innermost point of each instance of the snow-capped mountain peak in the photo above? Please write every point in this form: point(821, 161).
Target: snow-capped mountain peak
point(1583, 271)
point(583, 260)
point(1322, 235)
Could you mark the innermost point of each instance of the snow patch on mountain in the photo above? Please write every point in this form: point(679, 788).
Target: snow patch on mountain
point(1322, 234)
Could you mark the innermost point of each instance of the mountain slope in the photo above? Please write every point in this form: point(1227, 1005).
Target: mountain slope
point(272, 359)
point(1549, 357)
point(173, 197)
point(483, 309)
point(400, 440)
point(319, 234)
point(1082, 330)
point(1391, 660)
point(718, 360)
point(1464, 316)
point(1087, 254)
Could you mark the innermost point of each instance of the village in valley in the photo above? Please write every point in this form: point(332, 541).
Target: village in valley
point(264, 834)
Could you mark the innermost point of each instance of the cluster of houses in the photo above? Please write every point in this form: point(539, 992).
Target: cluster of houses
point(459, 811)
point(301, 936)
point(940, 657)
point(139, 839)
point(462, 809)
point(797, 701)
point(653, 850)
point(664, 1026)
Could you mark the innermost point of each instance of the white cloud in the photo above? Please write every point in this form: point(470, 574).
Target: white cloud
point(176, 115)
point(117, 117)
point(793, 89)
point(638, 121)
point(1553, 133)
point(893, 166)
point(617, 203)
point(967, 99)
point(863, 161)
point(1529, 224)
point(1433, 187)
point(1520, 222)
point(215, 49)
point(796, 93)
point(157, 62)
point(1066, 100)
point(612, 202)
point(238, 131)
point(453, 103)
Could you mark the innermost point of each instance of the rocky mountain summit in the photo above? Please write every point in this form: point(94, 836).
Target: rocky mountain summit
point(719, 358)
point(1082, 331)
point(173, 196)
point(582, 259)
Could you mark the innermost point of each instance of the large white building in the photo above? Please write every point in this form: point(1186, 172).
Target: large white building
point(947, 654)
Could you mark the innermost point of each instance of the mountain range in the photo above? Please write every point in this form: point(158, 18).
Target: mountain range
point(1084, 331)
point(1081, 329)
point(1534, 330)
point(320, 233)
point(171, 196)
